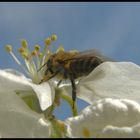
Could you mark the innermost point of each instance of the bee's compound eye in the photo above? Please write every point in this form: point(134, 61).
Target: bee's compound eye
point(60, 61)
point(49, 62)
point(50, 66)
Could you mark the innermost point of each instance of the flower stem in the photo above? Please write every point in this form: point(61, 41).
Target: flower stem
point(70, 101)
point(56, 129)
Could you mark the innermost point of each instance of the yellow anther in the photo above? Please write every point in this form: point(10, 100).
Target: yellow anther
point(86, 132)
point(25, 55)
point(8, 48)
point(54, 37)
point(24, 43)
point(60, 49)
point(34, 53)
point(21, 50)
point(37, 47)
point(48, 41)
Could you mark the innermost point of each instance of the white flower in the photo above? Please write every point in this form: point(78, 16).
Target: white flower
point(109, 117)
point(106, 118)
point(10, 82)
point(111, 79)
point(23, 101)
point(16, 118)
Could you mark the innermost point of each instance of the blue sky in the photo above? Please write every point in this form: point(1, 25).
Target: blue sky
point(111, 27)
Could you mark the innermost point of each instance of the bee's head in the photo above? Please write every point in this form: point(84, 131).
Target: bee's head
point(50, 65)
point(53, 65)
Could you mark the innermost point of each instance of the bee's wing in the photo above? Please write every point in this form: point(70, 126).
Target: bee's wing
point(92, 53)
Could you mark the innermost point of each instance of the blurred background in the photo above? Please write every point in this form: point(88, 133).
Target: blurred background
point(113, 28)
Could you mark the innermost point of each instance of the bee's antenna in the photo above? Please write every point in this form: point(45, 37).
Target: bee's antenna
point(41, 67)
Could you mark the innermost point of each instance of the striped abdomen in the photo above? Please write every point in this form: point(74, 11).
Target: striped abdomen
point(82, 67)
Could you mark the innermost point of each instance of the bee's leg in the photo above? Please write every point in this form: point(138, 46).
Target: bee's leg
point(59, 83)
point(49, 77)
point(65, 76)
point(73, 90)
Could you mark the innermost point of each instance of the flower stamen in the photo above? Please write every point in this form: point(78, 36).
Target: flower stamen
point(24, 43)
point(33, 59)
point(9, 49)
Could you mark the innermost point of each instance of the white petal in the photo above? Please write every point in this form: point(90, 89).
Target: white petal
point(11, 82)
point(123, 132)
point(43, 129)
point(111, 79)
point(45, 94)
point(17, 120)
point(95, 119)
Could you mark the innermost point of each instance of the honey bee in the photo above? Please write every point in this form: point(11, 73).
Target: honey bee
point(72, 65)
